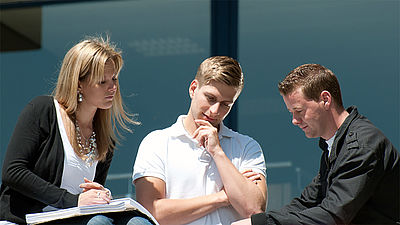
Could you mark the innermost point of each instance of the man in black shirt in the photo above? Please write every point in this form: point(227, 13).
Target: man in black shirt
point(358, 181)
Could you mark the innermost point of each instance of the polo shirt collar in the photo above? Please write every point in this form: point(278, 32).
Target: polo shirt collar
point(225, 131)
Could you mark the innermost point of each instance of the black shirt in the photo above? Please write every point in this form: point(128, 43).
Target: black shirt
point(357, 184)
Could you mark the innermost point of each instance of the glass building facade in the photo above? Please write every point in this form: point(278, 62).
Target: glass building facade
point(164, 41)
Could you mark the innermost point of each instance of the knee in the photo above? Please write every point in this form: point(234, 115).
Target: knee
point(100, 220)
point(137, 220)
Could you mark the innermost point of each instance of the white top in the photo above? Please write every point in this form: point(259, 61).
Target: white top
point(330, 143)
point(75, 169)
point(189, 171)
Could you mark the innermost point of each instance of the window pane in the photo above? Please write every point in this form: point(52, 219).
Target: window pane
point(163, 43)
point(357, 40)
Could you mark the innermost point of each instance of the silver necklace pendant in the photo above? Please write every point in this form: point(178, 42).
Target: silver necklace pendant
point(88, 149)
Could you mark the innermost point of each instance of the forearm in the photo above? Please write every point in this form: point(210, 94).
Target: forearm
point(29, 184)
point(182, 211)
point(312, 216)
point(244, 195)
point(18, 175)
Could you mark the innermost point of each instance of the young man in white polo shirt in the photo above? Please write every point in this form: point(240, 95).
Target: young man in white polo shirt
point(198, 171)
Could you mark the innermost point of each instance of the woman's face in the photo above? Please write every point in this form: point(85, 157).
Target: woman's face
point(100, 95)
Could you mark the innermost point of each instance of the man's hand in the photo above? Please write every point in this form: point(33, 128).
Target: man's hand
point(207, 136)
point(242, 222)
point(223, 197)
point(252, 176)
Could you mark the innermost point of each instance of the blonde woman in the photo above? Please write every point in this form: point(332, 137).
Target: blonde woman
point(62, 146)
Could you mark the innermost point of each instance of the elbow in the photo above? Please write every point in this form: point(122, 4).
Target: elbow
point(9, 176)
point(162, 218)
point(249, 213)
point(253, 209)
point(157, 212)
point(256, 210)
point(250, 208)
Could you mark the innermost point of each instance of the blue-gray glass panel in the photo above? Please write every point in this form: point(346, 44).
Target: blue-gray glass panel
point(163, 42)
point(358, 40)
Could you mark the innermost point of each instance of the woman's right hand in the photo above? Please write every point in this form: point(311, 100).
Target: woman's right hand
point(94, 197)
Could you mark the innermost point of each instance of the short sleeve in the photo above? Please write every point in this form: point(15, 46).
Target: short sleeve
point(150, 160)
point(253, 158)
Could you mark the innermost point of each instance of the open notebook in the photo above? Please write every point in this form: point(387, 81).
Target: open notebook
point(117, 205)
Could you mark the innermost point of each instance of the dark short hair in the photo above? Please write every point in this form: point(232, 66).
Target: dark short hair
point(313, 79)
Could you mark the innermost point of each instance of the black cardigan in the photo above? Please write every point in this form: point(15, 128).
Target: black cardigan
point(33, 164)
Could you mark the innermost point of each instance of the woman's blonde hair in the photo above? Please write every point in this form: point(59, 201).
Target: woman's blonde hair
point(86, 61)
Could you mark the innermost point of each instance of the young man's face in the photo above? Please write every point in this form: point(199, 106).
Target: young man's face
point(211, 102)
point(307, 114)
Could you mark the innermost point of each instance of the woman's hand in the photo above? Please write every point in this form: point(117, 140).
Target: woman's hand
point(90, 185)
point(94, 197)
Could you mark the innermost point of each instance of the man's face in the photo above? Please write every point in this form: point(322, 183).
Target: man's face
point(212, 101)
point(307, 114)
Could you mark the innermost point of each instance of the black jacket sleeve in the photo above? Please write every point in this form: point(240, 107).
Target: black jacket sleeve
point(33, 162)
point(357, 176)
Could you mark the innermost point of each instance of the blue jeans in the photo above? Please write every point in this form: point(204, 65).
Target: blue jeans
point(104, 220)
point(115, 218)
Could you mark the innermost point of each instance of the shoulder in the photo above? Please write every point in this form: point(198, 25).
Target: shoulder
point(42, 103)
point(156, 140)
point(364, 132)
point(363, 137)
point(42, 100)
point(161, 135)
point(238, 138)
point(244, 146)
point(38, 107)
point(157, 134)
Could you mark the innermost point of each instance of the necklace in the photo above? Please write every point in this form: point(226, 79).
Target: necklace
point(88, 149)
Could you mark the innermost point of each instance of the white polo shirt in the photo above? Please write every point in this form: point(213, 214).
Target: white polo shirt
point(189, 171)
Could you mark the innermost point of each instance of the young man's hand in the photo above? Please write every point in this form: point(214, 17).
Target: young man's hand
point(207, 136)
point(242, 222)
point(252, 176)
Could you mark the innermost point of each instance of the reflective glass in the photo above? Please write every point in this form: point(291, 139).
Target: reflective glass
point(163, 42)
point(357, 40)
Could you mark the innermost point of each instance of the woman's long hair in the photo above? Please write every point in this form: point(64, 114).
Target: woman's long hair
point(86, 61)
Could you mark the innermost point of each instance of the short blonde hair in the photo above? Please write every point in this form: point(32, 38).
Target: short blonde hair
point(222, 69)
point(86, 61)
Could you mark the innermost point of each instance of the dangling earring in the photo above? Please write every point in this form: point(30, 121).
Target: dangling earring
point(80, 97)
